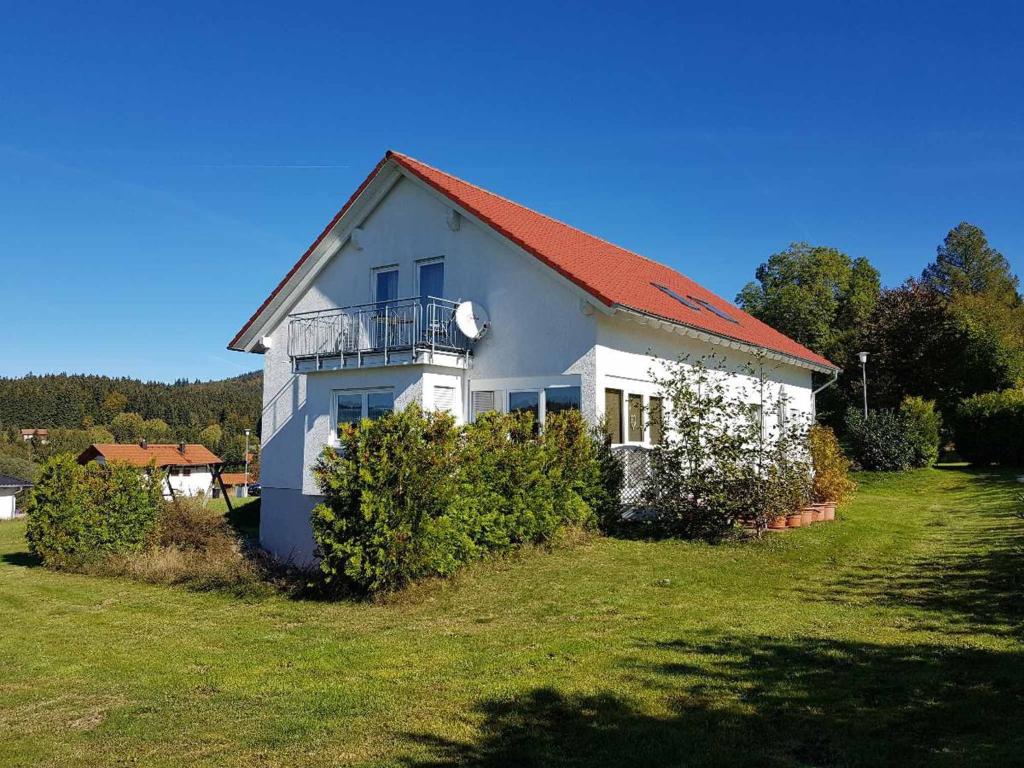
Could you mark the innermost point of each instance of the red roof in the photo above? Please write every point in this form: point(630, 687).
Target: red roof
point(233, 478)
point(163, 455)
point(613, 275)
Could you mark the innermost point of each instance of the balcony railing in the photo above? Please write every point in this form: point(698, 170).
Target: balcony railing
point(378, 328)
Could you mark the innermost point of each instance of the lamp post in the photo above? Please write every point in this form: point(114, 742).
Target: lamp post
point(246, 491)
point(864, 378)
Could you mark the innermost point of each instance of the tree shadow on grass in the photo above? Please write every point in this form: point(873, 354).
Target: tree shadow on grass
point(21, 559)
point(766, 702)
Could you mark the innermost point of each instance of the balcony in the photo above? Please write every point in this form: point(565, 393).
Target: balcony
point(382, 333)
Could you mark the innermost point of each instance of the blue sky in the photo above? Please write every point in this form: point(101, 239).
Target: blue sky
point(161, 169)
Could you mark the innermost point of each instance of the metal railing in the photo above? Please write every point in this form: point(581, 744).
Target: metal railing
point(386, 326)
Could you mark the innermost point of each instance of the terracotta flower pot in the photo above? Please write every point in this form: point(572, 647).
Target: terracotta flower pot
point(830, 510)
point(777, 523)
point(806, 515)
point(794, 520)
point(819, 512)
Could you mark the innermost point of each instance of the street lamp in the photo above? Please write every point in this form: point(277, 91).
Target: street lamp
point(246, 491)
point(864, 378)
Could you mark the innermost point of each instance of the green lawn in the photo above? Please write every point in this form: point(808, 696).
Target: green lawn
point(891, 637)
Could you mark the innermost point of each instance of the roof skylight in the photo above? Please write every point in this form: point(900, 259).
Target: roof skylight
point(720, 312)
point(677, 297)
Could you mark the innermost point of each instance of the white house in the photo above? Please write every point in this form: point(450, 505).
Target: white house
point(190, 468)
point(365, 322)
point(10, 487)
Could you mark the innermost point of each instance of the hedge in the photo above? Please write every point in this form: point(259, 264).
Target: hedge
point(411, 495)
point(989, 428)
point(78, 513)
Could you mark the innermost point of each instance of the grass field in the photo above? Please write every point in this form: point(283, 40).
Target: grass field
point(891, 637)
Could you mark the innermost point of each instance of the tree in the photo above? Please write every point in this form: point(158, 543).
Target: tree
point(211, 436)
point(817, 295)
point(127, 427)
point(966, 264)
point(156, 430)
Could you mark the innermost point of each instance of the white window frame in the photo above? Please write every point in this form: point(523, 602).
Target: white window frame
point(362, 392)
point(542, 398)
point(374, 271)
point(424, 263)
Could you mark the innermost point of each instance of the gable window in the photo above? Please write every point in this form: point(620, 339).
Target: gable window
point(352, 406)
point(430, 279)
point(385, 284)
point(685, 302)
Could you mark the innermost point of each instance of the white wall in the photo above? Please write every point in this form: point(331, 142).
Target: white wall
point(7, 503)
point(631, 357)
point(199, 481)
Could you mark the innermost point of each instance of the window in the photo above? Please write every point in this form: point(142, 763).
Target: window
point(483, 401)
point(430, 278)
point(558, 399)
point(186, 472)
point(174, 472)
point(636, 418)
point(444, 399)
point(351, 406)
point(781, 414)
point(677, 297)
point(379, 404)
point(655, 419)
point(519, 402)
point(720, 312)
point(385, 284)
point(613, 413)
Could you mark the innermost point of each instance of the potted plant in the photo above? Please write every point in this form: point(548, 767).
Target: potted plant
point(794, 519)
point(832, 483)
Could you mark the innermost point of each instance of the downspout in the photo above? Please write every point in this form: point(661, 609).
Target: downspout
point(814, 394)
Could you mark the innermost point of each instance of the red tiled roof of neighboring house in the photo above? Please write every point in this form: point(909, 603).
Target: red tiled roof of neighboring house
point(36, 432)
point(613, 275)
point(233, 478)
point(163, 455)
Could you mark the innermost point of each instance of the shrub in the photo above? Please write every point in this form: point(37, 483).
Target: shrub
point(990, 428)
point(410, 495)
point(879, 442)
point(606, 495)
point(923, 429)
point(79, 513)
point(831, 468)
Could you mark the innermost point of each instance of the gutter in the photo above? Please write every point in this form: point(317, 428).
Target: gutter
point(814, 394)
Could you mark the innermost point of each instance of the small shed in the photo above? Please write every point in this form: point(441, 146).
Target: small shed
point(10, 487)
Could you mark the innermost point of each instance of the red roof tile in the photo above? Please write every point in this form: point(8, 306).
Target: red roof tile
point(164, 455)
point(232, 478)
point(613, 275)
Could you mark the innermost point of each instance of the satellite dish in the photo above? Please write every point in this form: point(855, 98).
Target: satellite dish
point(472, 320)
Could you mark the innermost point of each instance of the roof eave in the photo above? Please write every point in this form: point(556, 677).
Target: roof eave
point(726, 341)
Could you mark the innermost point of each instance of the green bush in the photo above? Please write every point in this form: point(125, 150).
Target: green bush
point(923, 427)
point(990, 428)
point(410, 495)
point(879, 442)
point(80, 513)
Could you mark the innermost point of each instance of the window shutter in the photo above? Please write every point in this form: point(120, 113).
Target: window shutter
point(444, 399)
point(483, 401)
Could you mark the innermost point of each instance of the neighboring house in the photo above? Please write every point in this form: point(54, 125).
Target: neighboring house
point(191, 469)
point(234, 485)
point(10, 487)
point(365, 323)
point(41, 436)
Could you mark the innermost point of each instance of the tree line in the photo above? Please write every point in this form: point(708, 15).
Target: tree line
point(952, 332)
point(78, 410)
